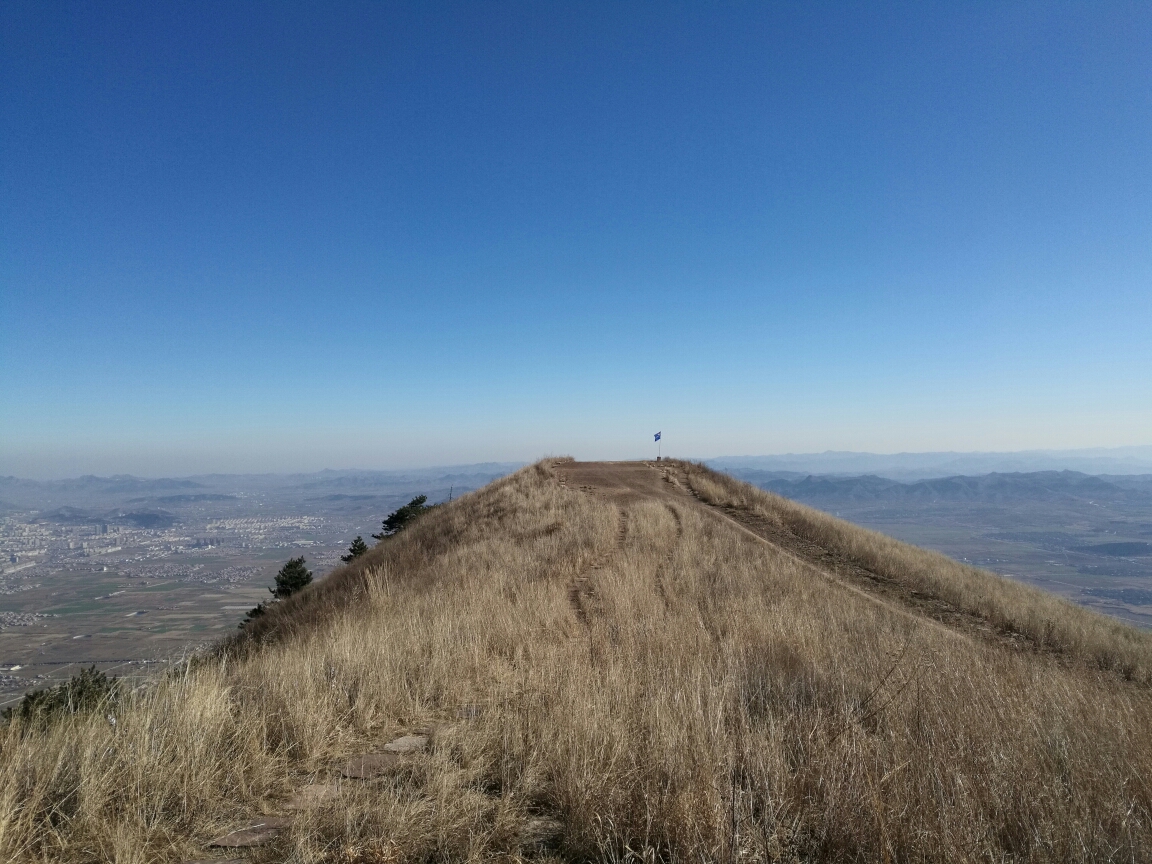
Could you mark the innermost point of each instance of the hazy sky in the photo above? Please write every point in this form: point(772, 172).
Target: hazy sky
point(239, 236)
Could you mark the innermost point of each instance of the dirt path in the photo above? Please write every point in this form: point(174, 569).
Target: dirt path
point(627, 482)
point(580, 592)
point(664, 562)
point(852, 575)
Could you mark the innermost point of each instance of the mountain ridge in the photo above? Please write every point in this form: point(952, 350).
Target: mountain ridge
point(994, 486)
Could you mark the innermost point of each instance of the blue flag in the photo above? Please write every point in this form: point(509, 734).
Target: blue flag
point(657, 436)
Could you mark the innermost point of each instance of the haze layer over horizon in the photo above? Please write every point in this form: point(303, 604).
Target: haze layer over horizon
point(275, 237)
point(904, 465)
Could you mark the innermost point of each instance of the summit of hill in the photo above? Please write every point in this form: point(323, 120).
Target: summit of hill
point(644, 661)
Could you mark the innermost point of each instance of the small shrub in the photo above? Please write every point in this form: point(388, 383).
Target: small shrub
point(252, 614)
point(87, 691)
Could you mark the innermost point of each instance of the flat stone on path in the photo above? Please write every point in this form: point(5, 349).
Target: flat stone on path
point(374, 764)
point(407, 744)
point(312, 796)
point(369, 765)
point(259, 832)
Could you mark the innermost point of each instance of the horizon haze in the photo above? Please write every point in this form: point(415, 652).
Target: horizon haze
point(896, 466)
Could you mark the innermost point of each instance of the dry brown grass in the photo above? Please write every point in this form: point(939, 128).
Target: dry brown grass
point(719, 703)
point(1048, 621)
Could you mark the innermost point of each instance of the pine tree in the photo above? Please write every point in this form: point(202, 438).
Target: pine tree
point(292, 577)
point(358, 548)
point(252, 614)
point(400, 518)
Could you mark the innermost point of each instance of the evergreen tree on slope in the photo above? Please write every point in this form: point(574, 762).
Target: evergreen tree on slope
point(399, 518)
point(292, 577)
point(358, 548)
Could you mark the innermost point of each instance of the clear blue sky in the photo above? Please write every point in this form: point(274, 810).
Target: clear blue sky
point(240, 236)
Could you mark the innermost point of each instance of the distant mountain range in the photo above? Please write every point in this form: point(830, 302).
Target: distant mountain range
point(137, 519)
point(922, 466)
point(987, 488)
point(17, 493)
point(1115, 475)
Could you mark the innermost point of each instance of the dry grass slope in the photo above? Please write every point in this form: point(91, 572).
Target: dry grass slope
point(699, 696)
point(1048, 622)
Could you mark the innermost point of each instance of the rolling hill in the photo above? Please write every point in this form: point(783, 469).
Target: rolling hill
point(618, 661)
point(987, 488)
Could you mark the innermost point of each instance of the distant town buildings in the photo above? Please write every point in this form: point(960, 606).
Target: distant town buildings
point(28, 540)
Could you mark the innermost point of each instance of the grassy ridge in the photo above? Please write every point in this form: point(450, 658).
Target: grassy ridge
point(714, 701)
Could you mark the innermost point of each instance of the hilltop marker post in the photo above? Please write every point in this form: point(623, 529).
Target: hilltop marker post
point(657, 446)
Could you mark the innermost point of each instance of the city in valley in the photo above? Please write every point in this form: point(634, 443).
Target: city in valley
point(130, 574)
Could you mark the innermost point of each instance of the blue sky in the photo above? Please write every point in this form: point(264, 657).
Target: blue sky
point(244, 236)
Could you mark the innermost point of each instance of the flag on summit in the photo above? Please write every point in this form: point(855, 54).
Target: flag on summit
point(657, 436)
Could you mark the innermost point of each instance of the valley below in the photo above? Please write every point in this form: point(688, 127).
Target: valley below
point(129, 574)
